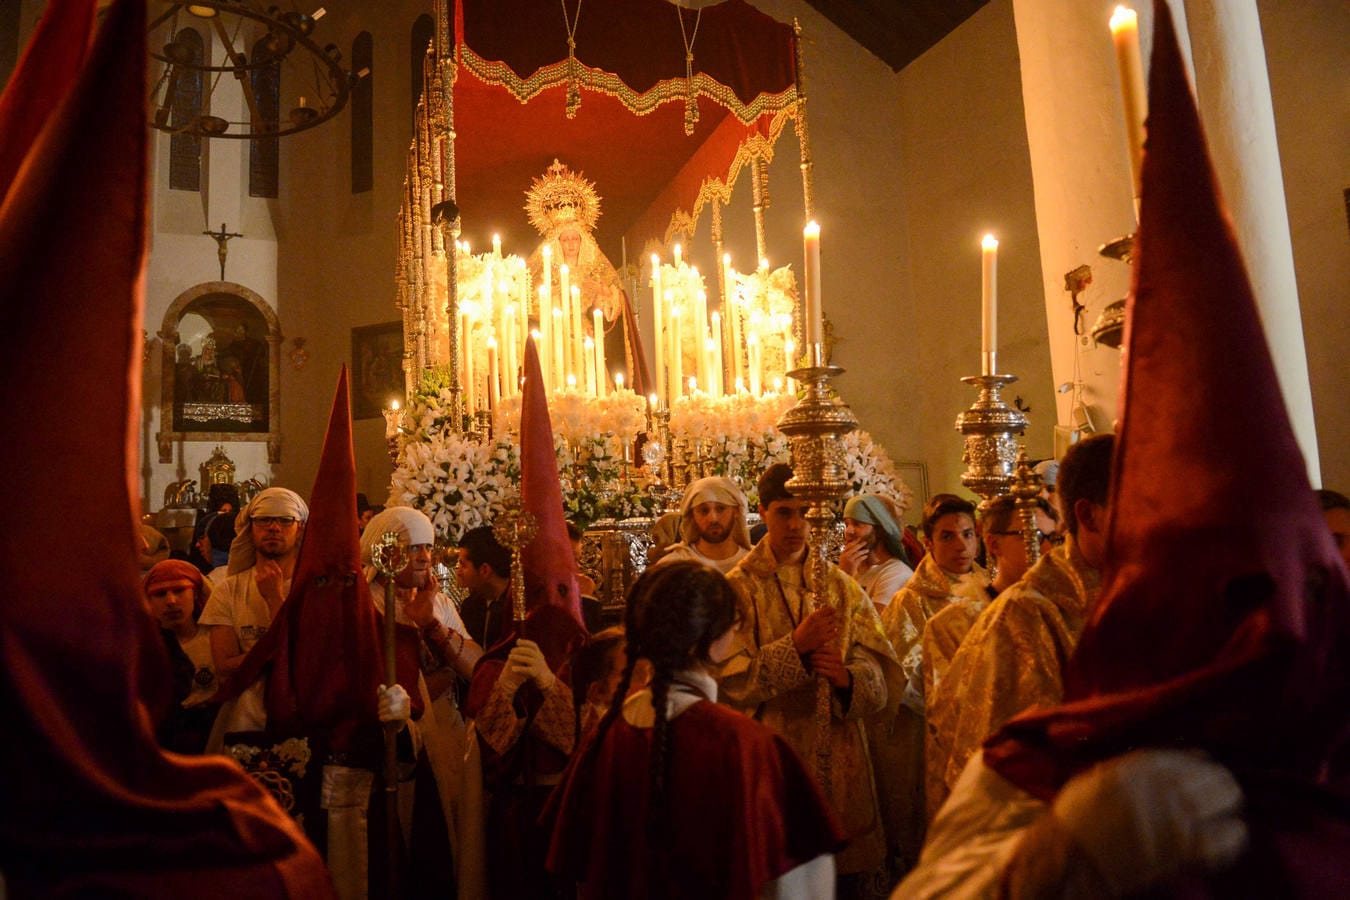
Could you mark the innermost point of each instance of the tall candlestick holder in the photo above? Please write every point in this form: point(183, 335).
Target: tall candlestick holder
point(990, 427)
point(814, 427)
point(1026, 490)
point(515, 527)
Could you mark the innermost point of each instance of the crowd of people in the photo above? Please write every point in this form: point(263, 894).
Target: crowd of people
point(691, 731)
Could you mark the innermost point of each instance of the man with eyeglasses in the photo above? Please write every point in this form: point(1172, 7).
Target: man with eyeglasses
point(1012, 658)
point(266, 545)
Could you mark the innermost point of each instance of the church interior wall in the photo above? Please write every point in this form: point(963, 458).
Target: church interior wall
point(1305, 50)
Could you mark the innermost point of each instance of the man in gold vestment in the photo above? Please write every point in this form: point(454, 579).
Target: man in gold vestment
point(1013, 656)
point(782, 648)
point(947, 574)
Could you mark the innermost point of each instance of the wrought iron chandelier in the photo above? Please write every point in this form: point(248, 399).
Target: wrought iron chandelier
point(269, 51)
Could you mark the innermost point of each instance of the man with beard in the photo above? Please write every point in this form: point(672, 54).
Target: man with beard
point(266, 544)
point(712, 525)
point(873, 553)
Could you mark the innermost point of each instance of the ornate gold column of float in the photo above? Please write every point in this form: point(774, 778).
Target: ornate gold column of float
point(814, 427)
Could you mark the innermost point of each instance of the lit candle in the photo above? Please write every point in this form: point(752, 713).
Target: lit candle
point(815, 326)
point(468, 363)
point(601, 375)
point(718, 359)
point(678, 252)
point(546, 291)
point(578, 361)
point(752, 345)
point(778, 385)
point(658, 327)
point(676, 355)
point(391, 418)
point(740, 385)
point(544, 337)
point(989, 304)
point(559, 378)
point(589, 346)
point(1125, 35)
point(497, 246)
point(571, 382)
point(618, 381)
point(494, 397)
point(693, 385)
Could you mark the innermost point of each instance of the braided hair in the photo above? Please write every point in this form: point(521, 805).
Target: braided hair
point(674, 613)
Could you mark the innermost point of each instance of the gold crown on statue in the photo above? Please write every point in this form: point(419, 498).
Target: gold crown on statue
point(562, 197)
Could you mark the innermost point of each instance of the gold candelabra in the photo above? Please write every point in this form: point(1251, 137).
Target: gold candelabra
point(990, 427)
point(515, 527)
point(814, 427)
point(1026, 490)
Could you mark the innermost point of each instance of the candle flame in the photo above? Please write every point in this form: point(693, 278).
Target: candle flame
point(990, 242)
point(393, 404)
point(812, 229)
point(1122, 18)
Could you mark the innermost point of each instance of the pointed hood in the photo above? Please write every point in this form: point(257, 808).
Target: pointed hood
point(552, 595)
point(130, 819)
point(325, 646)
point(1224, 620)
point(43, 77)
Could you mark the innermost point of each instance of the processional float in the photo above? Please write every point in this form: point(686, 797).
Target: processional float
point(661, 111)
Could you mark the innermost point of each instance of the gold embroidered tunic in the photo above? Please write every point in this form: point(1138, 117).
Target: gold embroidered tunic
point(1010, 661)
point(898, 742)
point(766, 678)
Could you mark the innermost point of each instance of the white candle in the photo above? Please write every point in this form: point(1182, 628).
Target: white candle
point(538, 344)
point(497, 246)
point(989, 304)
point(815, 325)
point(719, 362)
point(752, 345)
point(467, 339)
point(658, 327)
point(700, 335)
point(1125, 35)
point(601, 375)
point(544, 337)
point(678, 252)
point(509, 366)
point(559, 373)
point(713, 370)
point(693, 385)
point(618, 381)
point(546, 291)
point(588, 346)
point(578, 350)
point(676, 355)
point(494, 398)
point(790, 361)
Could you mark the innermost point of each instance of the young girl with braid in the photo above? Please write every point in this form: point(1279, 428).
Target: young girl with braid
point(674, 795)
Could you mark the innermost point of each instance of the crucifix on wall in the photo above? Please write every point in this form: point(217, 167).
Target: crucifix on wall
point(222, 238)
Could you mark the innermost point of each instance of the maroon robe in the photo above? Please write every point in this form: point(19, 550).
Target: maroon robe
point(743, 811)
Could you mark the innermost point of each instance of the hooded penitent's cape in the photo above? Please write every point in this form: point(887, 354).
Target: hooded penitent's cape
point(92, 806)
point(324, 646)
point(552, 596)
point(1224, 619)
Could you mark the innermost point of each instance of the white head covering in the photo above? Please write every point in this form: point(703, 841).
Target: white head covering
point(273, 501)
point(411, 525)
point(714, 489)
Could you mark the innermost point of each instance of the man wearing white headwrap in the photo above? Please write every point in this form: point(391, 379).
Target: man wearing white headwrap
point(712, 525)
point(872, 552)
point(266, 545)
point(446, 652)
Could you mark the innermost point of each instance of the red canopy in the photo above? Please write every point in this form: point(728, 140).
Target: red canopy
point(627, 132)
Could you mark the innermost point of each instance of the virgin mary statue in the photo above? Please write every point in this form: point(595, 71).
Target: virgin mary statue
point(564, 207)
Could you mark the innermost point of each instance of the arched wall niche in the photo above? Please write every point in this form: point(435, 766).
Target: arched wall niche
point(221, 346)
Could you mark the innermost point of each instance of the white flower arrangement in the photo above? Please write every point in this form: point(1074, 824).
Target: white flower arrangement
point(462, 482)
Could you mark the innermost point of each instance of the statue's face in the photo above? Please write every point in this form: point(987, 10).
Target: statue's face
point(570, 241)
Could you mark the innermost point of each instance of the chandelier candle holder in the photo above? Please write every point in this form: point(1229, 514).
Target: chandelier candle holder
point(991, 428)
point(515, 527)
point(1026, 490)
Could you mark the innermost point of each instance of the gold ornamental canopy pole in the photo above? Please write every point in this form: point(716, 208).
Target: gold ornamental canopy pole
point(1026, 490)
point(389, 556)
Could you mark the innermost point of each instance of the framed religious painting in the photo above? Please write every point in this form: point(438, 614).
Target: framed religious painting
point(377, 368)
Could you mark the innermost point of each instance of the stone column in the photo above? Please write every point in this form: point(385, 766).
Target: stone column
point(1233, 90)
point(1081, 181)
